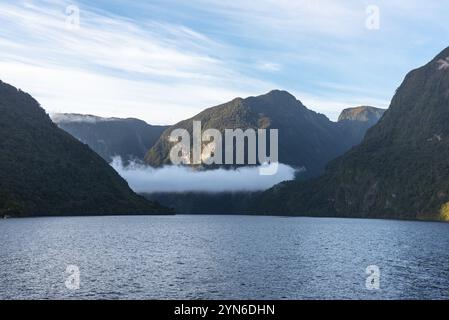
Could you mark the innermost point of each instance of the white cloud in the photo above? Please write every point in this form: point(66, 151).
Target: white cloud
point(61, 89)
point(145, 179)
point(156, 68)
point(113, 66)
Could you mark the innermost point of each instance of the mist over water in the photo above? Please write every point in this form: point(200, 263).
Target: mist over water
point(145, 179)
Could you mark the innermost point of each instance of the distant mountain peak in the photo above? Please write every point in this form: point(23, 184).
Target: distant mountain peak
point(276, 100)
point(129, 138)
point(362, 114)
point(280, 95)
point(76, 117)
point(279, 92)
point(306, 138)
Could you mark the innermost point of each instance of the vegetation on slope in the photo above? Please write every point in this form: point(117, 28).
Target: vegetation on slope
point(45, 171)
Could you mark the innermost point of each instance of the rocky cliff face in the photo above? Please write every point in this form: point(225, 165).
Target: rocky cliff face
point(355, 122)
point(306, 139)
point(362, 114)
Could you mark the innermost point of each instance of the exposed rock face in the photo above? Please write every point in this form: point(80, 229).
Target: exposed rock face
point(306, 139)
point(355, 122)
point(361, 114)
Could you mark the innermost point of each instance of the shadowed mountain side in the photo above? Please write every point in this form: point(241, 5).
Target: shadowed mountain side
point(45, 171)
point(128, 138)
point(401, 169)
point(355, 122)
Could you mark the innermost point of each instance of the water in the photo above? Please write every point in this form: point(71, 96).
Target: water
point(222, 257)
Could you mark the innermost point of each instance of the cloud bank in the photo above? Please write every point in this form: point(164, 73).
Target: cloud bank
point(144, 179)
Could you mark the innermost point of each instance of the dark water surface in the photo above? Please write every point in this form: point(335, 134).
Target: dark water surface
point(222, 257)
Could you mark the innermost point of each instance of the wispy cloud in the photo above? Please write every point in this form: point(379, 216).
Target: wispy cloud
point(281, 17)
point(163, 61)
point(114, 66)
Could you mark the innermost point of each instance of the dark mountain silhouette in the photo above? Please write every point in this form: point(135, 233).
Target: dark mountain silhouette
point(400, 170)
point(109, 137)
point(45, 171)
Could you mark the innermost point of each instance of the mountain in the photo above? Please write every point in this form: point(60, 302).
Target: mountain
point(306, 139)
point(363, 114)
point(355, 122)
point(45, 171)
point(400, 170)
point(128, 138)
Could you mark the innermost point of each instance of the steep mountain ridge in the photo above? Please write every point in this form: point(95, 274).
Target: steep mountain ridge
point(109, 137)
point(400, 170)
point(45, 171)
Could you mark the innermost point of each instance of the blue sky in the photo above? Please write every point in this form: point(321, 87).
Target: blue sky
point(163, 61)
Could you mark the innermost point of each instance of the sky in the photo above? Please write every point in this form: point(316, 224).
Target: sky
point(164, 61)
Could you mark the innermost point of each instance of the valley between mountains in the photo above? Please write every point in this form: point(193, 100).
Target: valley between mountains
point(371, 163)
